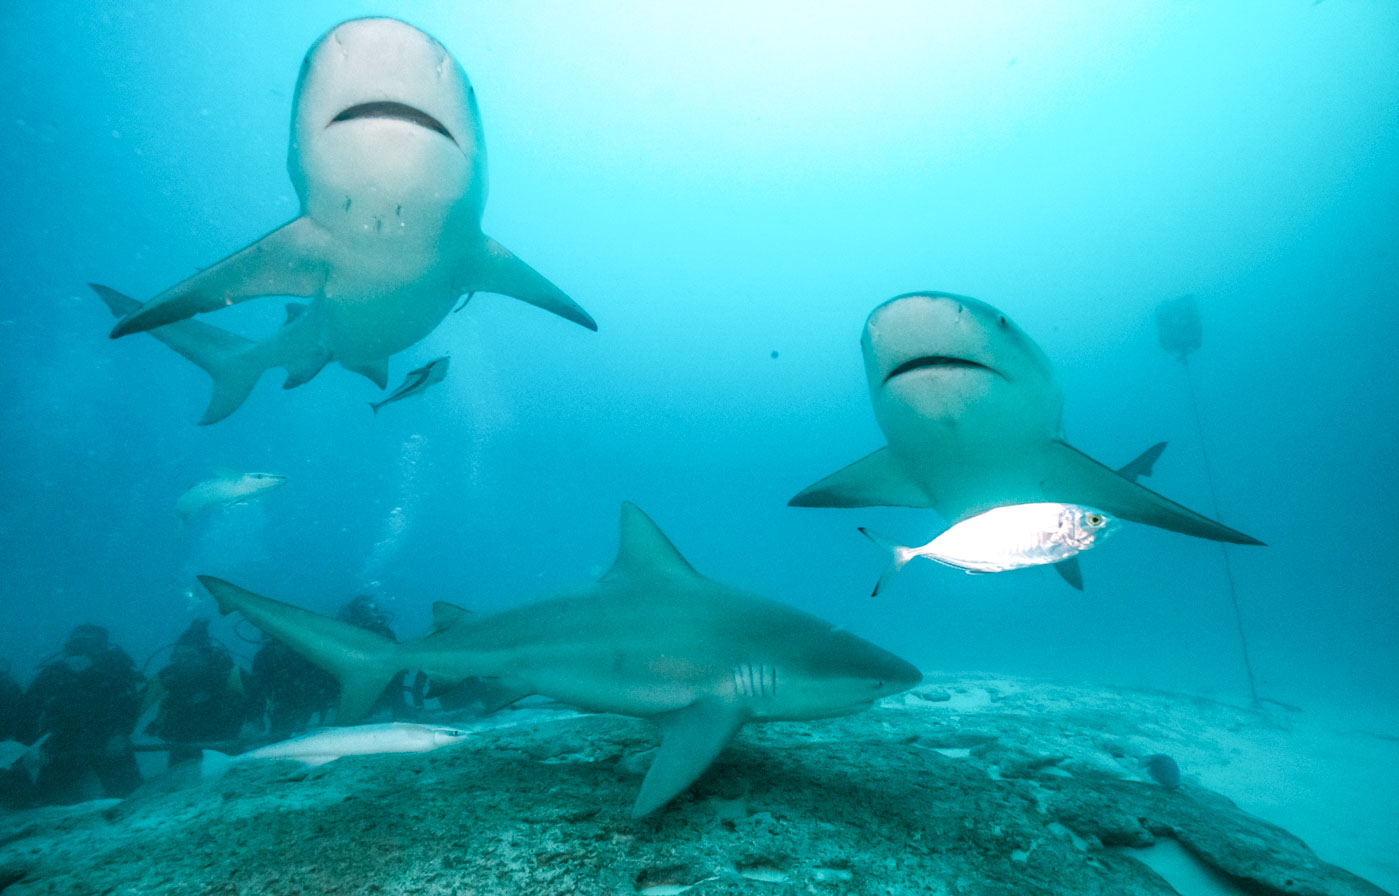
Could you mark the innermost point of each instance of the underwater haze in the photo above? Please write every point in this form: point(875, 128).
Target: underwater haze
point(730, 189)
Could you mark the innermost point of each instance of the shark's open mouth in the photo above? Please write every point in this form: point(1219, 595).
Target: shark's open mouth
point(399, 111)
point(936, 361)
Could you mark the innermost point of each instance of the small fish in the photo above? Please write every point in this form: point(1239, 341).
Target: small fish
point(226, 488)
point(1004, 538)
point(1162, 769)
point(416, 382)
point(329, 744)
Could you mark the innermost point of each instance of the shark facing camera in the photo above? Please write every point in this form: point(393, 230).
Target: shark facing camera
point(388, 159)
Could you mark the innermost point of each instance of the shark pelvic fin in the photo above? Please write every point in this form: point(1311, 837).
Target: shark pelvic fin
point(644, 551)
point(303, 372)
point(377, 372)
point(691, 738)
point(498, 270)
point(875, 480)
point(1071, 571)
point(1073, 477)
point(234, 362)
point(286, 262)
point(364, 662)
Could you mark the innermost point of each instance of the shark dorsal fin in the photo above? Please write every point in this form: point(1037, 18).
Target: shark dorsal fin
point(445, 615)
point(644, 550)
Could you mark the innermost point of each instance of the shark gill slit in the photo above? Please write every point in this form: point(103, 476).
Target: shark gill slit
point(398, 111)
point(937, 361)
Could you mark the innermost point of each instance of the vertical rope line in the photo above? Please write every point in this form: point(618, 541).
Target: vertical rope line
point(1223, 548)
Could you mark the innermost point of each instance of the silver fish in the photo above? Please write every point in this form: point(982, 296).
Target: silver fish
point(1004, 538)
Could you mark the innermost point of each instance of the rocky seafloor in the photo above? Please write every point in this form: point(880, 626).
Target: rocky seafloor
point(961, 787)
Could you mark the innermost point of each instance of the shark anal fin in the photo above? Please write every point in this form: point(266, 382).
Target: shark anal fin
point(377, 372)
point(1071, 572)
point(691, 738)
point(232, 361)
point(1075, 478)
point(497, 270)
point(874, 480)
point(289, 261)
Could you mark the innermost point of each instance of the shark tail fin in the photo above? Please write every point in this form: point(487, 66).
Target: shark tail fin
point(364, 662)
point(499, 271)
point(898, 557)
point(232, 361)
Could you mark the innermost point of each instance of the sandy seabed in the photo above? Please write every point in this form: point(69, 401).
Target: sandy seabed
point(968, 785)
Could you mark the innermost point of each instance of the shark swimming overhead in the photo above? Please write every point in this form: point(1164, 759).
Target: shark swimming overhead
point(388, 159)
point(651, 638)
point(971, 409)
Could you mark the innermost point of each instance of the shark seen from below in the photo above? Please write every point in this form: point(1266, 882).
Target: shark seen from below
point(388, 159)
point(971, 409)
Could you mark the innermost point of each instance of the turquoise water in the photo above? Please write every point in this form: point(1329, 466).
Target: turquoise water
point(729, 192)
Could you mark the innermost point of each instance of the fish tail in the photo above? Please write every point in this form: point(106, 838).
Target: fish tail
point(898, 557)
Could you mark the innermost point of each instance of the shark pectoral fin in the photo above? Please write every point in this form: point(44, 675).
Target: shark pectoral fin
point(1071, 572)
point(1073, 477)
point(234, 362)
point(377, 372)
point(496, 269)
point(691, 738)
point(1144, 463)
point(289, 261)
point(877, 479)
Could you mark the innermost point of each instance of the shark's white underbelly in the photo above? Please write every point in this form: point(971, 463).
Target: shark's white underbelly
point(374, 310)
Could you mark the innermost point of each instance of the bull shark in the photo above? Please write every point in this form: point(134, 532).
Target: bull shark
point(388, 159)
point(971, 409)
point(652, 638)
point(416, 382)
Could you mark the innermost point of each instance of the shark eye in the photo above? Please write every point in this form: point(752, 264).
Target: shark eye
point(1003, 321)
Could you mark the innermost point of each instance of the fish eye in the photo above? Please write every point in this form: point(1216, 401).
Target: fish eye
point(1096, 519)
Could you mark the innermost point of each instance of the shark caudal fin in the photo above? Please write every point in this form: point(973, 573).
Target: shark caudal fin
point(496, 269)
point(289, 261)
point(898, 557)
point(364, 662)
point(1069, 475)
point(233, 362)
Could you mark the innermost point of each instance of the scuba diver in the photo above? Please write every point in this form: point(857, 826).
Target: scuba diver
point(201, 696)
point(288, 689)
point(16, 788)
point(87, 703)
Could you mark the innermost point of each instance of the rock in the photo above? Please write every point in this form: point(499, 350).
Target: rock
point(859, 805)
